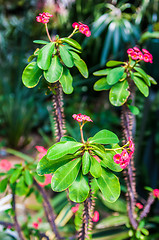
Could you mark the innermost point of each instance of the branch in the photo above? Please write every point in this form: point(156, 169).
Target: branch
point(48, 210)
point(147, 206)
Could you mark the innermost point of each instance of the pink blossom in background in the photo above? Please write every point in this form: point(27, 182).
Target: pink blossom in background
point(40, 220)
point(81, 118)
point(44, 17)
point(75, 208)
point(83, 28)
point(139, 205)
point(156, 193)
point(47, 181)
point(35, 225)
point(95, 217)
point(42, 151)
point(5, 165)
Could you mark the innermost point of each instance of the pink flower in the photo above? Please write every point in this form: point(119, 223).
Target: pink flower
point(134, 55)
point(130, 50)
point(136, 49)
point(40, 220)
point(140, 56)
point(146, 57)
point(81, 118)
point(5, 164)
point(124, 155)
point(95, 217)
point(35, 225)
point(117, 158)
point(156, 193)
point(47, 181)
point(75, 208)
point(145, 51)
point(131, 145)
point(42, 151)
point(44, 17)
point(75, 25)
point(139, 205)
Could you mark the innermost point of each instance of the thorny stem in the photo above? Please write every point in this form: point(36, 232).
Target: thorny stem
point(48, 210)
point(47, 31)
point(16, 223)
point(147, 206)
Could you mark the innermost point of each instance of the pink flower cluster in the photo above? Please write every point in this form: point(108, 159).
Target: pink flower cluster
point(136, 54)
point(123, 159)
point(83, 28)
point(139, 205)
point(36, 224)
point(44, 17)
point(5, 165)
point(81, 118)
point(156, 193)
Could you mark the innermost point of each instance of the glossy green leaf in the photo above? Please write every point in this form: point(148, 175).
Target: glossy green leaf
point(109, 185)
point(66, 81)
point(40, 42)
point(95, 169)
point(67, 138)
point(115, 75)
point(72, 48)
point(21, 188)
point(61, 149)
point(112, 221)
point(75, 55)
point(79, 190)
point(119, 93)
point(113, 63)
point(31, 75)
point(28, 177)
point(31, 58)
point(104, 137)
point(54, 73)
point(46, 167)
point(102, 72)
point(143, 75)
point(86, 163)
point(66, 56)
point(3, 184)
point(101, 84)
point(152, 80)
point(71, 42)
point(134, 109)
point(82, 67)
point(65, 175)
point(141, 85)
point(45, 55)
point(15, 175)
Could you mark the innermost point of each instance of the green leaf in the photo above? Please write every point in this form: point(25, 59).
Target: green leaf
point(46, 167)
point(54, 73)
point(95, 169)
point(66, 56)
point(115, 75)
point(45, 55)
point(113, 63)
point(82, 67)
point(141, 85)
point(61, 149)
point(72, 49)
point(65, 175)
point(3, 184)
point(66, 81)
point(109, 185)
point(79, 190)
point(71, 42)
point(102, 72)
point(40, 42)
point(102, 84)
point(75, 55)
point(152, 80)
point(119, 93)
point(31, 75)
point(104, 137)
point(86, 163)
point(31, 58)
point(21, 188)
point(143, 75)
point(134, 109)
point(67, 138)
point(28, 177)
point(112, 221)
point(15, 175)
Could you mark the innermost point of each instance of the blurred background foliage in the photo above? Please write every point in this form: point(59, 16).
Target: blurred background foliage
point(116, 26)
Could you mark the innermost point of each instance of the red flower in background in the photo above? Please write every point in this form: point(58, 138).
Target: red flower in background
point(5, 165)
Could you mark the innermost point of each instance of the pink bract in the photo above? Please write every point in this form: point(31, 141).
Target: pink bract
point(117, 158)
point(136, 49)
point(156, 193)
point(47, 181)
point(75, 209)
point(83, 28)
point(139, 205)
point(35, 225)
point(75, 25)
point(44, 17)
point(95, 217)
point(5, 165)
point(81, 118)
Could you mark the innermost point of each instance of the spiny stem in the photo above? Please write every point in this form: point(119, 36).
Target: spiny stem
point(48, 210)
point(147, 206)
point(47, 31)
point(58, 112)
point(16, 223)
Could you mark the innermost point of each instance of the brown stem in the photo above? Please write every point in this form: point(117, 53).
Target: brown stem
point(16, 223)
point(58, 112)
point(48, 210)
point(147, 206)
